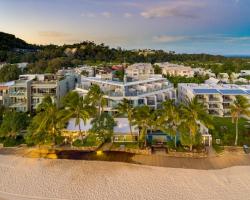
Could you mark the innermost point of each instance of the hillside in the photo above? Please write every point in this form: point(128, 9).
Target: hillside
point(10, 42)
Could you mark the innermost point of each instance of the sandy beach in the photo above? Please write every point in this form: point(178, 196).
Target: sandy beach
point(26, 178)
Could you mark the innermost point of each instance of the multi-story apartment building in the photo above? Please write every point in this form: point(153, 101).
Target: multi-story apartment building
point(139, 71)
point(216, 98)
point(151, 91)
point(4, 93)
point(27, 92)
point(175, 70)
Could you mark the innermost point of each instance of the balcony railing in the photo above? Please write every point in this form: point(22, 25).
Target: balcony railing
point(128, 93)
point(214, 99)
point(138, 92)
point(18, 93)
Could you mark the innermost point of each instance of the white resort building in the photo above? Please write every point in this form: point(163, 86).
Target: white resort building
point(216, 97)
point(140, 71)
point(175, 69)
point(141, 88)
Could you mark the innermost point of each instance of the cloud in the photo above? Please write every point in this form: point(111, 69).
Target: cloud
point(178, 8)
point(53, 34)
point(168, 38)
point(106, 14)
point(201, 38)
point(128, 15)
point(88, 15)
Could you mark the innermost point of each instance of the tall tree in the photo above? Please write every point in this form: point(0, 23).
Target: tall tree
point(239, 108)
point(170, 117)
point(9, 73)
point(126, 108)
point(48, 120)
point(13, 122)
point(141, 118)
point(191, 115)
point(95, 97)
point(75, 107)
point(103, 126)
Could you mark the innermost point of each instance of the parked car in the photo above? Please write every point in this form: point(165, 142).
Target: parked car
point(246, 149)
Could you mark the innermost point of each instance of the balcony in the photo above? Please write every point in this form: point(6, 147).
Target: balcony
point(149, 90)
point(214, 99)
point(150, 102)
point(43, 94)
point(227, 100)
point(17, 93)
point(214, 106)
point(215, 112)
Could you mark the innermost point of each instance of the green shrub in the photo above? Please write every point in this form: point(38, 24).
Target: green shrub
point(218, 148)
point(59, 140)
point(90, 141)
point(77, 143)
point(12, 142)
point(2, 139)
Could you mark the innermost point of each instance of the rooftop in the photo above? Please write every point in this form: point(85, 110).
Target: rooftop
point(224, 89)
point(122, 84)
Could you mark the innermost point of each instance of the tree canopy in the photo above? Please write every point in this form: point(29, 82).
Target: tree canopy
point(9, 73)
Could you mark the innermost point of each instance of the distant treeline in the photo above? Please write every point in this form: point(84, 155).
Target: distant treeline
point(50, 58)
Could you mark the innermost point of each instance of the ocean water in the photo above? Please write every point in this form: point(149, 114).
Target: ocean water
point(237, 56)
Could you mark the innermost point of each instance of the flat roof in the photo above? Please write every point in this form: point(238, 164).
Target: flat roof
point(224, 89)
point(206, 91)
point(232, 92)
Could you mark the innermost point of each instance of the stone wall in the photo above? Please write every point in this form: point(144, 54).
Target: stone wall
point(130, 150)
point(187, 154)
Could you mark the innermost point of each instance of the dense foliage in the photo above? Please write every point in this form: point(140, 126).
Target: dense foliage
point(182, 79)
point(9, 73)
point(13, 123)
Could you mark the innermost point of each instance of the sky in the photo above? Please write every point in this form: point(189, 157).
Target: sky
point(184, 26)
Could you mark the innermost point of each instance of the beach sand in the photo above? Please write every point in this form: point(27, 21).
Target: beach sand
point(26, 178)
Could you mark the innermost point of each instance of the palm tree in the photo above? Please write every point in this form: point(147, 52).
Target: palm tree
point(48, 119)
point(126, 108)
point(170, 118)
point(95, 97)
point(141, 118)
point(75, 107)
point(191, 114)
point(153, 120)
point(239, 108)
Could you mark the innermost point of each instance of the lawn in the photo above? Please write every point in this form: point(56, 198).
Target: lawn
point(224, 129)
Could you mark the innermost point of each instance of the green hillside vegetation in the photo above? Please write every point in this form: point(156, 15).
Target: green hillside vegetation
point(10, 42)
point(50, 58)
